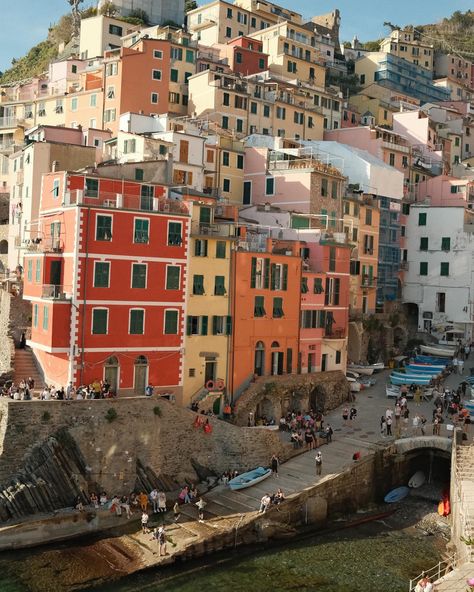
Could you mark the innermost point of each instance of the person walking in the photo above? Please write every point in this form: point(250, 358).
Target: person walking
point(201, 505)
point(319, 463)
point(176, 511)
point(345, 415)
point(144, 521)
point(383, 426)
point(154, 500)
point(352, 413)
point(274, 462)
point(388, 422)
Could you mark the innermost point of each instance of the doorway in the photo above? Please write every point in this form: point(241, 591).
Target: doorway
point(312, 362)
point(259, 366)
point(277, 363)
point(111, 373)
point(324, 362)
point(55, 273)
point(140, 377)
point(210, 371)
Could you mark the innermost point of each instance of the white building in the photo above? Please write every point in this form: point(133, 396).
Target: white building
point(158, 11)
point(439, 267)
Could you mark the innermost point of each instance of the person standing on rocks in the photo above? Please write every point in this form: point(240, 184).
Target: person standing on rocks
point(319, 463)
point(201, 505)
point(144, 521)
point(161, 541)
point(154, 500)
point(274, 462)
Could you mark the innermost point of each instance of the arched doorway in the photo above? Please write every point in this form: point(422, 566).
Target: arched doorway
point(3, 247)
point(277, 359)
point(111, 373)
point(140, 375)
point(259, 365)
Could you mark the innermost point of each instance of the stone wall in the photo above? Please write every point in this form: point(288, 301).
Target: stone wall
point(148, 443)
point(274, 396)
point(7, 349)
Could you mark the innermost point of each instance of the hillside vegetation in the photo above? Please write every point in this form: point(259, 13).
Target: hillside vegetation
point(452, 35)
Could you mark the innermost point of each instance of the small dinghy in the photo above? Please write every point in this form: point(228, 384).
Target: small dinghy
point(396, 495)
point(417, 480)
point(250, 478)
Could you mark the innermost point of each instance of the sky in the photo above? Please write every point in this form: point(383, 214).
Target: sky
point(26, 22)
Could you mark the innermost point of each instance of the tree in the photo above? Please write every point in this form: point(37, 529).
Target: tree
point(190, 5)
point(109, 9)
point(141, 15)
point(392, 27)
point(76, 16)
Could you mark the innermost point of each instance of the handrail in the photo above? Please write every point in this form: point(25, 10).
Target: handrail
point(446, 565)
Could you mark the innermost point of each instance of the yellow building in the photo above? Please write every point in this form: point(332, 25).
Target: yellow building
point(224, 162)
point(208, 309)
point(259, 104)
point(361, 224)
point(407, 44)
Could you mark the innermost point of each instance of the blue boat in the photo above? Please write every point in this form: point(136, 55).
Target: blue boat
point(430, 360)
point(420, 369)
point(250, 478)
point(396, 495)
point(418, 379)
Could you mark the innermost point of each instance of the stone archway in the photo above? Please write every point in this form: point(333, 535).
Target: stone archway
point(317, 399)
point(266, 408)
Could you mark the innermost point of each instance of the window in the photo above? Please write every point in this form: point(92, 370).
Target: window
point(298, 117)
point(238, 57)
point(253, 22)
point(423, 268)
point(115, 30)
point(220, 249)
point(100, 318)
point(92, 187)
point(391, 158)
point(226, 185)
point(138, 275)
point(129, 146)
point(101, 274)
point(222, 325)
point(423, 243)
point(240, 161)
point(174, 75)
point(74, 104)
point(239, 125)
point(225, 158)
point(278, 308)
point(226, 99)
point(158, 54)
point(441, 302)
point(173, 273)
point(175, 233)
point(261, 63)
point(137, 321)
point(141, 230)
point(422, 219)
point(38, 271)
point(228, 32)
point(35, 315)
point(259, 307)
point(219, 286)
point(266, 110)
point(45, 318)
point(324, 187)
point(225, 122)
point(229, 13)
point(304, 285)
point(192, 325)
point(176, 53)
point(338, 356)
point(270, 186)
point(93, 100)
point(318, 286)
point(444, 269)
point(281, 113)
point(139, 173)
point(103, 230)
point(445, 243)
point(55, 191)
point(111, 69)
point(110, 115)
point(334, 193)
point(198, 285)
point(368, 217)
point(332, 258)
point(156, 74)
point(200, 247)
point(171, 322)
point(190, 56)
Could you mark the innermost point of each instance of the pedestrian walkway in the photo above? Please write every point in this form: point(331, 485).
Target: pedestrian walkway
point(456, 580)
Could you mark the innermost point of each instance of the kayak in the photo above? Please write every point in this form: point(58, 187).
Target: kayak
point(250, 478)
point(417, 480)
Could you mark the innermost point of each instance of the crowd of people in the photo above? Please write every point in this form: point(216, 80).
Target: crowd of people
point(25, 390)
point(306, 429)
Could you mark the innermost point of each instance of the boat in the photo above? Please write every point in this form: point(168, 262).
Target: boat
point(430, 360)
point(354, 385)
point(392, 391)
point(352, 374)
point(440, 352)
point(417, 480)
point(250, 478)
point(426, 367)
point(418, 379)
point(366, 370)
point(396, 495)
point(428, 370)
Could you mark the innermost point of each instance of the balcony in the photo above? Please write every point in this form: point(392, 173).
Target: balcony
point(122, 201)
point(56, 292)
point(368, 282)
point(9, 147)
point(8, 122)
point(206, 229)
point(335, 333)
point(44, 245)
point(404, 265)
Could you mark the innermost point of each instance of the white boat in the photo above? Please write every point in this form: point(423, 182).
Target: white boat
point(417, 480)
point(392, 391)
point(353, 384)
point(440, 352)
point(352, 374)
point(366, 370)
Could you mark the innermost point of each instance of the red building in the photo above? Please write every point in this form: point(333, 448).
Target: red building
point(106, 277)
point(246, 55)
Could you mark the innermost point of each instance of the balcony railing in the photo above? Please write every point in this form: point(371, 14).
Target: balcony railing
point(404, 265)
point(225, 230)
point(44, 245)
point(56, 292)
point(6, 122)
point(369, 282)
point(335, 333)
point(125, 202)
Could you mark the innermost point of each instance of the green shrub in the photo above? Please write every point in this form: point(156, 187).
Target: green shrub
point(157, 410)
point(46, 416)
point(111, 415)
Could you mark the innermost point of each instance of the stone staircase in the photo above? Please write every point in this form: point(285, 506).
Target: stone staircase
point(465, 472)
point(25, 366)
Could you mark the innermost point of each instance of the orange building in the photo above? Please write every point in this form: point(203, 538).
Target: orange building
point(106, 277)
point(265, 308)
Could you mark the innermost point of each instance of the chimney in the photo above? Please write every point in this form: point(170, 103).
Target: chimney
point(54, 166)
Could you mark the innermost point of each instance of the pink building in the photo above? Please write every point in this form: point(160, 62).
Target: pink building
point(445, 191)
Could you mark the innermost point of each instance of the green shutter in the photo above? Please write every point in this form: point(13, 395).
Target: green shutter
point(423, 243)
point(422, 219)
point(136, 322)
point(205, 215)
point(219, 286)
point(318, 286)
point(322, 319)
point(445, 243)
point(141, 234)
point(299, 222)
point(99, 321)
point(204, 323)
point(228, 325)
point(444, 269)
point(220, 249)
point(189, 325)
point(273, 276)
point(253, 273)
point(171, 322)
point(172, 277)
point(198, 284)
point(266, 273)
point(423, 268)
point(337, 287)
point(138, 275)
point(285, 277)
point(215, 322)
